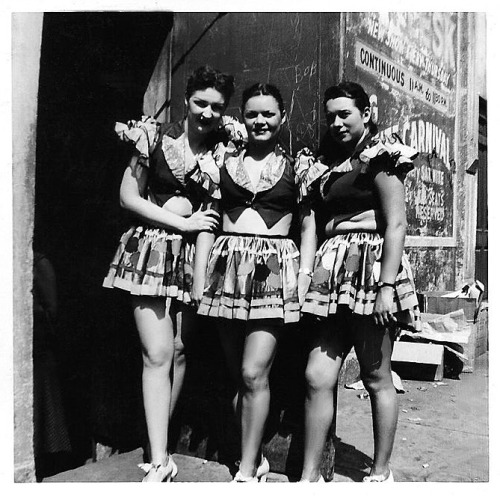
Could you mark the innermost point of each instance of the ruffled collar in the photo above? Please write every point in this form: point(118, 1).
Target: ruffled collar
point(270, 175)
point(173, 145)
point(398, 155)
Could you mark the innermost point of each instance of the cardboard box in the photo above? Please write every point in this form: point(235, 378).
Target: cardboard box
point(478, 340)
point(433, 302)
point(421, 361)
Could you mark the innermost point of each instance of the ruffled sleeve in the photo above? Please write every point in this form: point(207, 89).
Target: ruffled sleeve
point(206, 172)
point(393, 156)
point(234, 129)
point(143, 134)
point(308, 170)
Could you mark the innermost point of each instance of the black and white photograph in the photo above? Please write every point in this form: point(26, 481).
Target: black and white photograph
point(247, 246)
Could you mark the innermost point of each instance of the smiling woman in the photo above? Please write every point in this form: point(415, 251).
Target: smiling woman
point(169, 186)
point(254, 285)
point(205, 108)
point(362, 286)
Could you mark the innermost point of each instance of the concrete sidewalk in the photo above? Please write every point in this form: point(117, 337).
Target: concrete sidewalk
point(442, 437)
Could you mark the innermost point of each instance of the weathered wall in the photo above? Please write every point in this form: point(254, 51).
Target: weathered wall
point(408, 63)
point(26, 38)
point(467, 130)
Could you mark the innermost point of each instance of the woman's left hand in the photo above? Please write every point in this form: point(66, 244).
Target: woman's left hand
point(383, 306)
point(303, 285)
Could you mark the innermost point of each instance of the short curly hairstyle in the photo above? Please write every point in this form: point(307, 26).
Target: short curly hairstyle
point(207, 77)
point(265, 89)
point(355, 92)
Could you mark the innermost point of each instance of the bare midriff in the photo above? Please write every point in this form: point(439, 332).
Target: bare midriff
point(250, 222)
point(179, 205)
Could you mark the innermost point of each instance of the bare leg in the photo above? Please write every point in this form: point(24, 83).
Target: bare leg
point(157, 340)
point(232, 338)
point(258, 356)
point(323, 366)
point(186, 321)
point(373, 346)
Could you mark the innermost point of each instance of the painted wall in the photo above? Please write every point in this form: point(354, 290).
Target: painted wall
point(407, 62)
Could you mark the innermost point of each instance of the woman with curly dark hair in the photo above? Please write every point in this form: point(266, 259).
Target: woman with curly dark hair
point(169, 187)
point(254, 285)
point(361, 282)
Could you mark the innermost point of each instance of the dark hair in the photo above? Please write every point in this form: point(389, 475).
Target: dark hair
point(206, 77)
point(354, 91)
point(265, 89)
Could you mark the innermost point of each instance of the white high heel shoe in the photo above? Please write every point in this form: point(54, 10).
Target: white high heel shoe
point(320, 479)
point(159, 472)
point(241, 478)
point(379, 478)
point(260, 474)
point(262, 470)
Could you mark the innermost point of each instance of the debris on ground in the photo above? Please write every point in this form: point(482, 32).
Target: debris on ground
point(396, 380)
point(355, 385)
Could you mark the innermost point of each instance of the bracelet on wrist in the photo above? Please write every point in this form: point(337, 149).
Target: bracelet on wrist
point(382, 284)
point(307, 272)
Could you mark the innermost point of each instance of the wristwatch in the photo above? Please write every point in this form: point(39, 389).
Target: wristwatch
point(307, 272)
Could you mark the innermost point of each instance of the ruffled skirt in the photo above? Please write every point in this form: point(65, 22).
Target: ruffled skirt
point(153, 262)
point(346, 272)
point(252, 277)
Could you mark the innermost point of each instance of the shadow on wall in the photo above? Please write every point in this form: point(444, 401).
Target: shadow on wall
point(93, 72)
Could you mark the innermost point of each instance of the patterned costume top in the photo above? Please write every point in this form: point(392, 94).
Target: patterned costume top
point(161, 148)
point(347, 266)
point(348, 187)
point(281, 187)
point(151, 260)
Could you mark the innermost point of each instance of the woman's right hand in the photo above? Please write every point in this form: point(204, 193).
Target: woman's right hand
point(202, 220)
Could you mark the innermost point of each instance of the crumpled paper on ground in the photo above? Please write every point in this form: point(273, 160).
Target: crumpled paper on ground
point(451, 328)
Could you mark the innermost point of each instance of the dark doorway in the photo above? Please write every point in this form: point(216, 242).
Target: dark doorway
point(94, 70)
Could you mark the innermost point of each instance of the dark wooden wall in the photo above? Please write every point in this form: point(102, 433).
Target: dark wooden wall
point(298, 52)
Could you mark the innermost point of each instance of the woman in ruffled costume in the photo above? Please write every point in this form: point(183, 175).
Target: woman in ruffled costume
point(361, 284)
point(169, 186)
point(253, 284)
